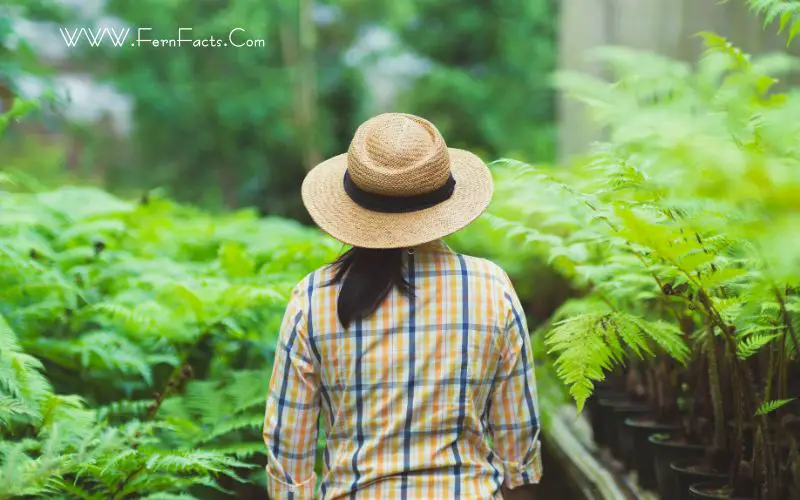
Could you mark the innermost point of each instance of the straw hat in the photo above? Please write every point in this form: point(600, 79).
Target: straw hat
point(398, 186)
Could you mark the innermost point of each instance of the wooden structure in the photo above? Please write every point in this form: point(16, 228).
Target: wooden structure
point(663, 26)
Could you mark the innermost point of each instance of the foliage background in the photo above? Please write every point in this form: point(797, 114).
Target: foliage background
point(138, 317)
point(245, 124)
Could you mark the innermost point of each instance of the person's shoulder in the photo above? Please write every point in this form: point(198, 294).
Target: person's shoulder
point(318, 278)
point(484, 268)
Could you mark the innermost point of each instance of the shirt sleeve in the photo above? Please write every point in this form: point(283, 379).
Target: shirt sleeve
point(514, 412)
point(290, 422)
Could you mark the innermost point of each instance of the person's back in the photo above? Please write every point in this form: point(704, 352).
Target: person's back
point(414, 359)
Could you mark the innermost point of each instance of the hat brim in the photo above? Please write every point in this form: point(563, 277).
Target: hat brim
point(335, 213)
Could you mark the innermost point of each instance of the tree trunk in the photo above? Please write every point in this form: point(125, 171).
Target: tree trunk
point(298, 51)
point(308, 84)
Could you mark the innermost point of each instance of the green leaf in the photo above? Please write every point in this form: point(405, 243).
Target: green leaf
point(753, 343)
point(770, 406)
point(713, 279)
point(19, 108)
point(235, 261)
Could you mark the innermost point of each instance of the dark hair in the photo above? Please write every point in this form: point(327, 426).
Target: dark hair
point(367, 276)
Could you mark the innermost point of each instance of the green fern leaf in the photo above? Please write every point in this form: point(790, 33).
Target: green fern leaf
point(170, 496)
point(20, 373)
point(123, 408)
point(753, 343)
point(788, 12)
point(720, 45)
point(240, 450)
point(119, 313)
point(588, 345)
point(231, 424)
point(193, 462)
point(12, 408)
point(770, 406)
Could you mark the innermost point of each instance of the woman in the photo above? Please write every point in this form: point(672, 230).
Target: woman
point(414, 355)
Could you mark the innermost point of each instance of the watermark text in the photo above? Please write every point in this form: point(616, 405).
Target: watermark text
point(144, 37)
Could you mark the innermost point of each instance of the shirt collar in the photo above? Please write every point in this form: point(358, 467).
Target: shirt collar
point(433, 246)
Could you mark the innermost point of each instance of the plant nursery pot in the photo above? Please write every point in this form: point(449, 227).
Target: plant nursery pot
point(622, 444)
point(604, 392)
point(713, 490)
point(689, 472)
point(592, 404)
point(641, 428)
point(665, 451)
point(602, 417)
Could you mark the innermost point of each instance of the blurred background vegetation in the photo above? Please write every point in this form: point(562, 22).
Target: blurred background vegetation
point(230, 127)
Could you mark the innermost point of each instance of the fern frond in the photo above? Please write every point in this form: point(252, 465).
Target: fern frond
point(170, 496)
point(12, 408)
point(666, 335)
point(528, 235)
point(60, 486)
point(20, 374)
point(91, 232)
point(716, 44)
point(206, 397)
point(751, 344)
point(123, 408)
point(241, 450)
point(770, 406)
point(231, 424)
point(582, 354)
point(247, 389)
point(112, 352)
point(118, 313)
point(588, 345)
point(787, 11)
point(19, 108)
point(237, 297)
point(7, 179)
point(193, 462)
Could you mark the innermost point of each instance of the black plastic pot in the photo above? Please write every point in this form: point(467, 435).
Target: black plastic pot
point(706, 491)
point(666, 451)
point(640, 430)
point(686, 476)
point(592, 404)
point(603, 418)
point(622, 442)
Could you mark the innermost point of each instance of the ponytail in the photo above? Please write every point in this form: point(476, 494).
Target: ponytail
point(367, 276)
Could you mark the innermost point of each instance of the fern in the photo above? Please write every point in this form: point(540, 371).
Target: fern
point(753, 343)
point(19, 108)
point(193, 462)
point(787, 12)
point(114, 298)
point(716, 44)
point(252, 422)
point(589, 345)
point(118, 313)
point(169, 496)
point(20, 374)
point(123, 408)
point(14, 409)
point(770, 406)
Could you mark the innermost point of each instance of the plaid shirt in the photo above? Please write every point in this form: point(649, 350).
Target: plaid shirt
point(411, 396)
